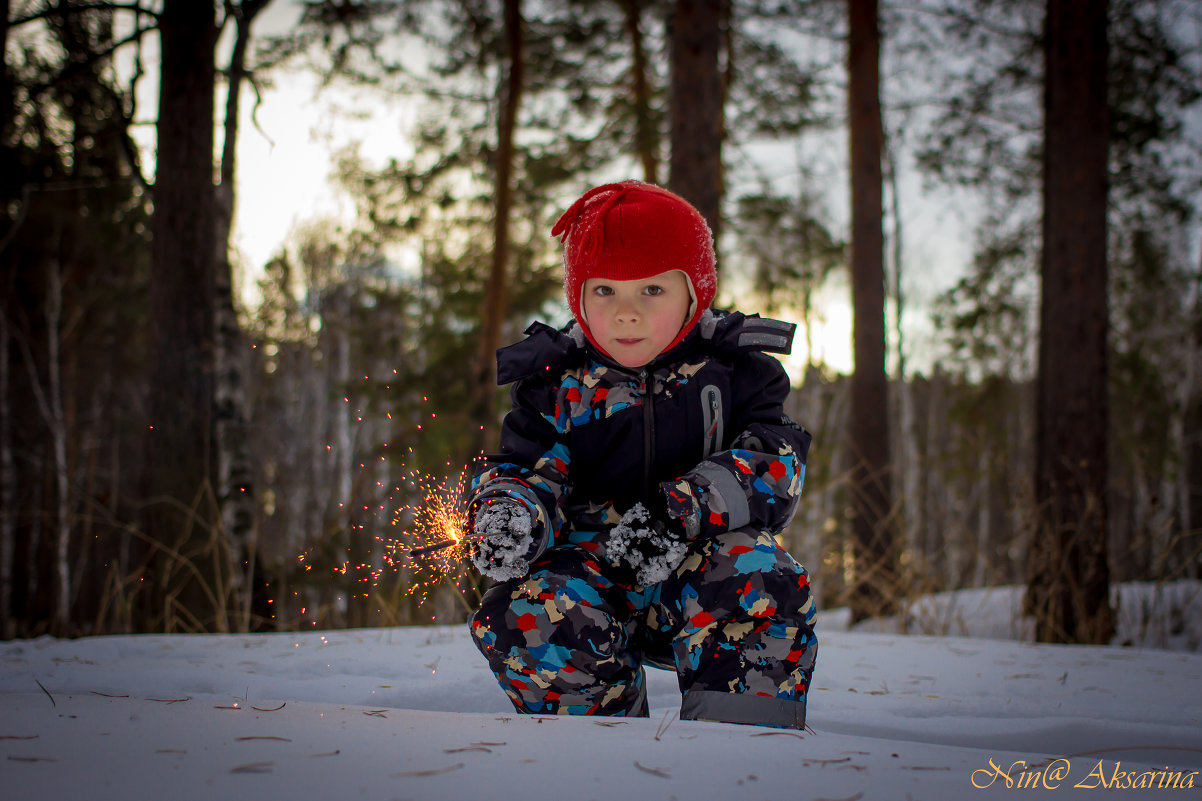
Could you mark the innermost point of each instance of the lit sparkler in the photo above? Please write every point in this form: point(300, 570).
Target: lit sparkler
point(432, 547)
point(439, 520)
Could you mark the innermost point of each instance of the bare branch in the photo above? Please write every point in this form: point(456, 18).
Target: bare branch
point(75, 67)
point(127, 144)
point(254, 109)
point(956, 15)
point(62, 11)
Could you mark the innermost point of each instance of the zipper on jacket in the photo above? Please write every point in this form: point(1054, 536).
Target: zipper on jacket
point(648, 430)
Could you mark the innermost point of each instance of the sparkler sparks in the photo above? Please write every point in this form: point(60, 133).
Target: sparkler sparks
point(440, 521)
point(436, 542)
point(431, 547)
point(408, 539)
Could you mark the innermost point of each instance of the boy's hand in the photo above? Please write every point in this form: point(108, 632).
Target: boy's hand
point(504, 545)
point(652, 546)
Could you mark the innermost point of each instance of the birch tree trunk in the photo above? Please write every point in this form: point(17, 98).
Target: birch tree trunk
point(231, 416)
point(50, 405)
point(58, 433)
point(905, 439)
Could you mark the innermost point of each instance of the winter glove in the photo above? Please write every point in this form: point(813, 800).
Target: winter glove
point(504, 544)
point(652, 546)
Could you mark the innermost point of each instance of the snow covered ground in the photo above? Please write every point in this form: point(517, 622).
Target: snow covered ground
point(414, 714)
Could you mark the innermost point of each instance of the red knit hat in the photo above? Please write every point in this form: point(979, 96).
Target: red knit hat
point(633, 230)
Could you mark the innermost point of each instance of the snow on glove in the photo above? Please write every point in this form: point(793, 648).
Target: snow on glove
point(652, 548)
point(505, 544)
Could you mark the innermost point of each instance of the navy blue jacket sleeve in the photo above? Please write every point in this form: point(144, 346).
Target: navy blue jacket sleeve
point(532, 462)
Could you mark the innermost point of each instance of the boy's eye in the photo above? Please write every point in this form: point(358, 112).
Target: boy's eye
point(653, 289)
point(603, 290)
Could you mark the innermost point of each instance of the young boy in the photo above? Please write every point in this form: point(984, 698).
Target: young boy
point(647, 463)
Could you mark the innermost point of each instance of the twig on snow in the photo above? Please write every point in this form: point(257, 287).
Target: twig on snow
point(434, 772)
point(48, 695)
point(669, 716)
point(277, 709)
point(653, 771)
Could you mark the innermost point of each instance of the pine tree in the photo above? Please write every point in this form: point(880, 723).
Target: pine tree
point(876, 556)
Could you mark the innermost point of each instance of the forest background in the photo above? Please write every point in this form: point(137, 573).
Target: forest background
point(191, 440)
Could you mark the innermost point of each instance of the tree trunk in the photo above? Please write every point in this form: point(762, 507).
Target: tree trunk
point(495, 294)
point(1069, 577)
point(695, 106)
point(7, 111)
point(235, 470)
point(188, 564)
point(876, 580)
point(8, 472)
point(645, 132)
point(1190, 444)
point(8, 489)
point(57, 424)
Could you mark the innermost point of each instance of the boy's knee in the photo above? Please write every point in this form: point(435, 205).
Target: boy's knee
point(546, 607)
point(743, 552)
point(745, 574)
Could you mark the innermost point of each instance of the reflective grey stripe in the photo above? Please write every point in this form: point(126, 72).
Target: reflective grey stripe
point(768, 322)
point(741, 708)
point(711, 419)
point(756, 339)
point(729, 489)
point(707, 324)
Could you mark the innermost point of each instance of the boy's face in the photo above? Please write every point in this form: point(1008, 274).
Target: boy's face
point(635, 320)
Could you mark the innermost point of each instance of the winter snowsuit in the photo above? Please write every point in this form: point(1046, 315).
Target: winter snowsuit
point(586, 440)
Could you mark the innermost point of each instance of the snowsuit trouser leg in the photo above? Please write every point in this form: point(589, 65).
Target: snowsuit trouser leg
point(557, 640)
point(741, 619)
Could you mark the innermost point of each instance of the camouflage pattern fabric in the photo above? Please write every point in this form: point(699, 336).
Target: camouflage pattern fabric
point(574, 447)
point(736, 622)
point(699, 432)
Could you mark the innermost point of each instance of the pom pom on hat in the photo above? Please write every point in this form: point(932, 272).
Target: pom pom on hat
point(633, 230)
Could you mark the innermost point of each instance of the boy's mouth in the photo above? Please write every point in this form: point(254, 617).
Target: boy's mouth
point(629, 340)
